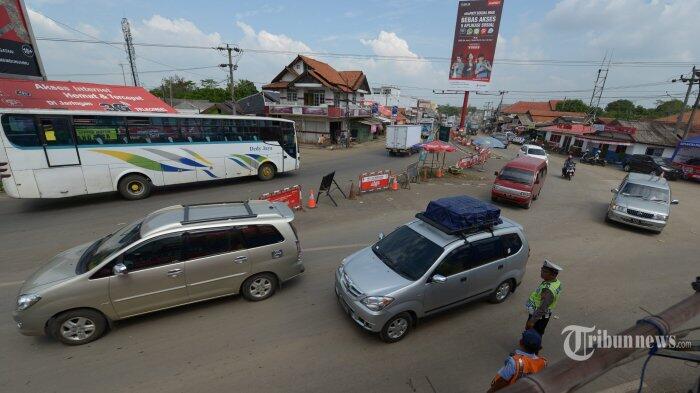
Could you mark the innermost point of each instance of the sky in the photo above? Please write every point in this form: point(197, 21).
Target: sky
point(632, 30)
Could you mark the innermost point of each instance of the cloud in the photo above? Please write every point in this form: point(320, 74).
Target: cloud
point(259, 10)
point(390, 44)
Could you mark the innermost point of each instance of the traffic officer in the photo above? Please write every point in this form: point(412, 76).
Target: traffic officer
point(543, 299)
point(522, 362)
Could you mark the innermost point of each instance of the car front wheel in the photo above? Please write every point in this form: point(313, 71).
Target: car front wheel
point(78, 327)
point(396, 328)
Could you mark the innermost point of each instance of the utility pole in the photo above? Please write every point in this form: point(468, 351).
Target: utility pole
point(231, 67)
point(599, 86)
point(692, 115)
point(690, 81)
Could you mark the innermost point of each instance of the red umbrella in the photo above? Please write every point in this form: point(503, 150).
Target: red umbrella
point(438, 147)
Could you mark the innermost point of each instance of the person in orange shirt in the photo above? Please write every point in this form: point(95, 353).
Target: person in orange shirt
point(522, 362)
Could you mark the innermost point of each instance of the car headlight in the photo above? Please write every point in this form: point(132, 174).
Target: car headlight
point(659, 216)
point(619, 208)
point(377, 303)
point(27, 300)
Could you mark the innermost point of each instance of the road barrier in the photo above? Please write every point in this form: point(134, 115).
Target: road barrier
point(479, 158)
point(374, 181)
point(290, 195)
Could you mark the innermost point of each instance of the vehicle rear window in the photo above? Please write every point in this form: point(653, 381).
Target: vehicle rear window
point(407, 252)
point(260, 235)
point(511, 243)
point(517, 175)
point(536, 152)
point(21, 130)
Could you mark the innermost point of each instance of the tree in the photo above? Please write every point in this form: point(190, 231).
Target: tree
point(208, 89)
point(244, 88)
point(572, 106)
point(666, 108)
point(620, 106)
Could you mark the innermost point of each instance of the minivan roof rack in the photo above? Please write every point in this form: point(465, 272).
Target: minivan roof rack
point(186, 214)
point(463, 232)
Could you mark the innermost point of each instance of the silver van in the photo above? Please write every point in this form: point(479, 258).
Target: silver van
point(419, 270)
point(643, 201)
point(177, 255)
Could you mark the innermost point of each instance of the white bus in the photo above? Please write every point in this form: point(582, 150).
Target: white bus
point(56, 153)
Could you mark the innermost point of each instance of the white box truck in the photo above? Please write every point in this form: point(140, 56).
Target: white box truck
point(400, 139)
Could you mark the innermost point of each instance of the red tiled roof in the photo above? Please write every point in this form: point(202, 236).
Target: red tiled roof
point(540, 116)
point(525, 106)
point(276, 85)
point(695, 128)
point(328, 73)
point(353, 78)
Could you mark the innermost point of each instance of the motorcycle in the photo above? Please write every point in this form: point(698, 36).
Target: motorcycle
point(568, 171)
point(593, 159)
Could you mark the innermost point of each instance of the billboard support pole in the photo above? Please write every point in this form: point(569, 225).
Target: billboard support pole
point(465, 109)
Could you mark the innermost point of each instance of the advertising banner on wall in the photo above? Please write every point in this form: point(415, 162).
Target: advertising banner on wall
point(27, 94)
point(19, 57)
point(474, 46)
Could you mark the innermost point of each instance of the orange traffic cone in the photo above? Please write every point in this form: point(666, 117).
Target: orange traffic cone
point(312, 200)
point(395, 184)
point(439, 173)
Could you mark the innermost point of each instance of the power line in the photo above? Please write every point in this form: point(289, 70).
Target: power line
point(504, 61)
point(140, 72)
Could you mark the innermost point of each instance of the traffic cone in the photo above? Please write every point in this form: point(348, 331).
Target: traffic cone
point(352, 194)
point(394, 184)
point(439, 173)
point(312, 200)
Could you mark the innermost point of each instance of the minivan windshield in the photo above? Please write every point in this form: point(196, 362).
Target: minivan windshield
point(648, 193)
point(407, 253)
point(106, 246)
point(536, 151)
point(516, 175)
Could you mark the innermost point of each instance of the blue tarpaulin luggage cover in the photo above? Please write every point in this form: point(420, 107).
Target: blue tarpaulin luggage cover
point(461, 214)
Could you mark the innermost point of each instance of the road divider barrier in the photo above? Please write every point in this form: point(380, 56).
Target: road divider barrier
point(374, 181)
point(290, 195)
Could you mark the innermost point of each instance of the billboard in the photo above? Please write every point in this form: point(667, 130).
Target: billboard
point(27, 94)
point(474, 45)
point(19, 57)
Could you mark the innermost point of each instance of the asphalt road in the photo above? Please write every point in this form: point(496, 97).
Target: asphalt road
point(300, 340)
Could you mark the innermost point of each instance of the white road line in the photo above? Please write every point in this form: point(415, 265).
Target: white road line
point(625, 387)
point(11, 283)
point(338, 247)
point(312, 249)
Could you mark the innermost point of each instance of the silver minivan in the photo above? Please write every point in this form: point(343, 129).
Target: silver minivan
point(643, 201)
point(177, 255)
point(419, 270)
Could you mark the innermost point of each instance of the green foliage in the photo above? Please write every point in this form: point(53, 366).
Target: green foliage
point(572, 106)
point(208, 89)
point(451, 110)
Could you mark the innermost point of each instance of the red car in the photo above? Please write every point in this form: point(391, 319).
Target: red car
point(520, 181)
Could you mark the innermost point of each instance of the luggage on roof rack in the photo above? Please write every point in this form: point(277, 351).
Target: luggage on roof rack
point(460, 215)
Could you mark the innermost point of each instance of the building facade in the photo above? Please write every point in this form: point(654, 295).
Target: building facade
point(322, 101)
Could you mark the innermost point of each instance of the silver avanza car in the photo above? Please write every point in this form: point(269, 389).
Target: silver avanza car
point(642, 201)
point(423, 268)
point(174, 256)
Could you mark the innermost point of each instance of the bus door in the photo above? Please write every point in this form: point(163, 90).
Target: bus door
point(58, 140)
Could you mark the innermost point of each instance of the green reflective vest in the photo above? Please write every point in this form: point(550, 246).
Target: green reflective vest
point(535, 299)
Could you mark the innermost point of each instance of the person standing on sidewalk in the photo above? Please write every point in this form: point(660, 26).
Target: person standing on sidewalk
point(522, 362)
point(544, 298)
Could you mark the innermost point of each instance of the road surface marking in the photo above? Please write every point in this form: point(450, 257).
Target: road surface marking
point(312, 249)
point(10, 284)
point(338, 247)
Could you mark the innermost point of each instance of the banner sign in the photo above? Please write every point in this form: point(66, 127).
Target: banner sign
point(19, 57)
point(474, 45)
point(27, 94)
point(290, 195)
point(374, 181)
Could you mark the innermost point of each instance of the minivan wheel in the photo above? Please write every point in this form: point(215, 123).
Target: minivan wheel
point(396, 328)
point(627, 168)
point(78, 327)
point(502, 292)
point(259, 287)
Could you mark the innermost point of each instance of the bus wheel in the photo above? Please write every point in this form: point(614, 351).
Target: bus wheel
point(133, 187)
point(266, 171)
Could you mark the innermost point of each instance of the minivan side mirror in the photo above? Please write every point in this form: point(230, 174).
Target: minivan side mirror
point(119, 269)
point(614, 190)
point(380, 236)
point(674, 202)
point(438, 278)
point(496, 173)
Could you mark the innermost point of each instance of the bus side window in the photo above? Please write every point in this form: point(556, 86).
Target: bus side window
point(99, 130)
point(21, 130)
point(213, 130)
point(165, 130)
point(191, 129)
